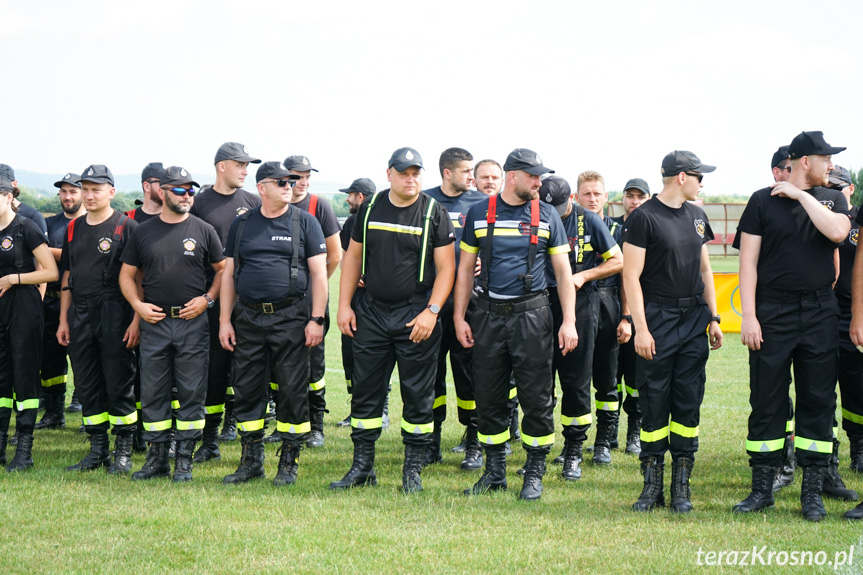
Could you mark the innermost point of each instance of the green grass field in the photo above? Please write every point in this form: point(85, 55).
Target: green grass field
point(57, 522)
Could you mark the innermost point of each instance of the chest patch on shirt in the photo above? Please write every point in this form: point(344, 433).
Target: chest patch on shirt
point(6, 243)
point(827, 204)
point(104, 245)
point(699, 227)
point(189, 244)
point(242, 210)
point(852, 237)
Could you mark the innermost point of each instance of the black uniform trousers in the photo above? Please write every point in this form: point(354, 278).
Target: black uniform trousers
point(381, 341)
point(671, 385)
point(459, 361)
point(174, 355)
point(514, 337)
point(348, 342)
point(272, 345)
point(605, 350)
point(55, 367)
point(574, 369)
point(219, 372)
point(851, 386)
point(21, 326)
point(627, 380)
point(318, 369)
point(799, 328)
point(104, 368)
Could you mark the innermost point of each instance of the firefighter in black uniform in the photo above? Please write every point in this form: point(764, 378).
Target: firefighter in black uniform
point(397, 321)
point(23, 209)
point(97, 324)
point(456, 196)
point(787, 236)
point(359, 190)
point(635, 192)
point(275, 256)
point(22, 245)
point(670, 292)
point(151, 206)
point(219, 205)
point(589, 240)
point(173, 251)
point(518, 238)
point(55, 366)
point(323, 212)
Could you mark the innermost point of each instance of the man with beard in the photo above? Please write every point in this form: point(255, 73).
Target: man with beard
point(787, 236)
point(55, 366)
point(173, 251)
point(488, 177)
point(151, 205)
point(518, 238)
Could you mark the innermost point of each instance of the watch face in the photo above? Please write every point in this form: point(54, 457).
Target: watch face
point(434, 308)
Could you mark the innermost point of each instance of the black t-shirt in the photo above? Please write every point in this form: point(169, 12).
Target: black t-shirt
point(586, 242)
point(673, 238)
point(24, 230)
point(57, 225)
point(794, 255)
point(394, 244)
point(140, 215)
point(345, 234)
point(32, 213)
point(615, 228)
point(323, 213)
point(457, 208)
point(847, 253)
point(265, 254)
point(90, 252)
point(173, 257)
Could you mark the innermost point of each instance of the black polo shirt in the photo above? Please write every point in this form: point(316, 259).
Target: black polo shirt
point(57, 225)
point(89, 253)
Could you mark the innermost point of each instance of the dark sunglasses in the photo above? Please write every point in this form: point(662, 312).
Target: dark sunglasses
point(283, 183)
point(152, 181)
point(784, 168)
point(699, 176)
point(181, 191)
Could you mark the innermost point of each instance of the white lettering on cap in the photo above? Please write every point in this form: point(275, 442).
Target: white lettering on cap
point(305, 161)
point(409, 155)
point(90, 173)
point(538, 160)
point(245, 151)
point(183, 172)
point(68, 177)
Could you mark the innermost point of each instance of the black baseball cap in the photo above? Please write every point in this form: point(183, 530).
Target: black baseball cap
point(527, 161)
point(298, 164)
point(637, 184)
point(840, 177)
point(7, 172)
point(404, 158)
point(176, 176)
point(683, 161)
point(6, 184)
point(152, 170)
point(98, 174)
point(556, 191)
point(779, 156)
point(275, 171)
point(72, 179)
point(363, 186)
point(811, 144)
point(234, 151)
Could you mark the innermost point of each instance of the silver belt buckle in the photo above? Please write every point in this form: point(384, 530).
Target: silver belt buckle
point(267, 308)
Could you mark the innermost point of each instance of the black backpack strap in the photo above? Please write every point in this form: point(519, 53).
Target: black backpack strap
point(244, 217)
point(70, 235)
point(426, 248)
point(579, 261)
point(534, 245)
point(490, 218)
point(116, 238)
point(295, 250)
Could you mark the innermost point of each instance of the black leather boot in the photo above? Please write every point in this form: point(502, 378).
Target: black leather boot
point(473, 451)
point(275, 436)
point(183, 460)
point(289, 464)
point(138, 443)
point(251, 460)
point(156, 465)
point(833, 486)
point(98, 455)
point(601, 445)
point(633, 435)
point(362, 471)
point(761, 496)
point(534, 470)
point(122, 454)
point(74, 404)
point(560, 458)
point(316, 437)
point(855, 444)
point(681, 494)
point(411, 470)
point(209, 449)
point(432, 452)
point(229, 427)
point(653, 493)
point(571, 460)
point(494, 477)
point(460, 448)
point(785, 473)
point(23, 458)
point(810, 493)
point(54, 417)
point(613, 443)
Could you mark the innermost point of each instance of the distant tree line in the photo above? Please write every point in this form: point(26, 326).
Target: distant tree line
point(49, 203)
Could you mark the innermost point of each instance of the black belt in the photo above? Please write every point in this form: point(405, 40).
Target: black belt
point(515, 305)
point(681, 302)
point(53, 294)
point(419, 298)
point(268, 307)
point(170, 310)
point(781, 296)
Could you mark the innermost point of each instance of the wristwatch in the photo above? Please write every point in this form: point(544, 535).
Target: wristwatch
point(627, 318)
point(318, 319)
point(210, 302)
point(716, 318)
point(434, 308)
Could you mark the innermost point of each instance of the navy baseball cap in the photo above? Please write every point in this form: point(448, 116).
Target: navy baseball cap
point(840, 177)
point(637, 184)
point(527, 161)
point(176, 176)
point(404, 158)
point(275, 171)
point(234, 151)
point(779, 156)
point(811, 144)
point(363, 186)
point(152, 170)
point(6, 184)
point(98, 174)
point(298, 164)
point(683, 161)
point(7, 172)
point(557, 192)
point(71, 179)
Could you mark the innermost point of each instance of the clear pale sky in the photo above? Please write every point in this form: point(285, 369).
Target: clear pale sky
point(610, 86)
